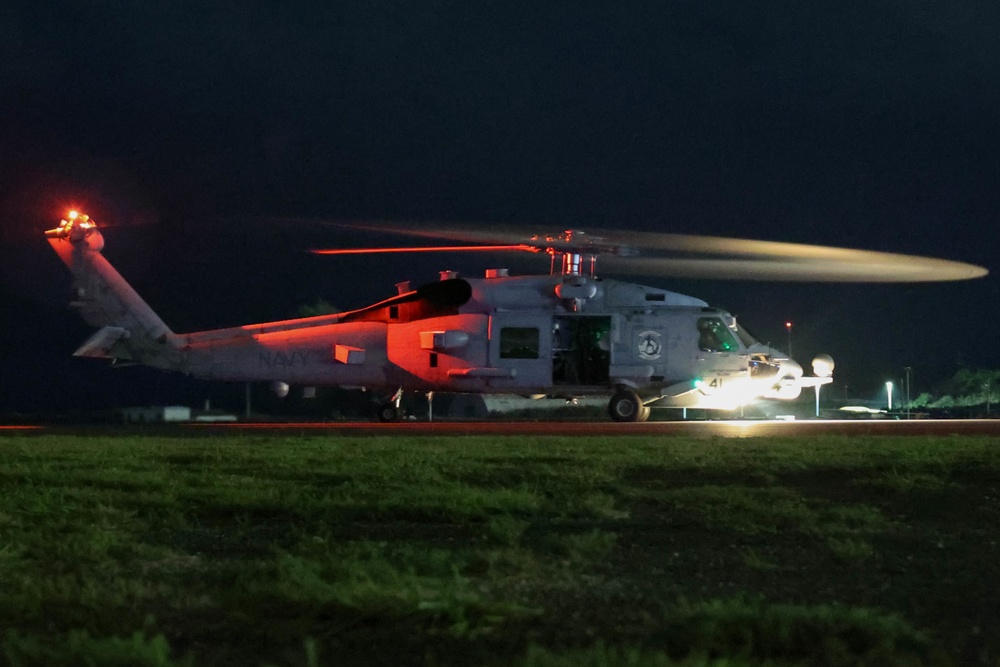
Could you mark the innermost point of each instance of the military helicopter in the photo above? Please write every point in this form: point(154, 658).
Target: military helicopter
point(569, 333)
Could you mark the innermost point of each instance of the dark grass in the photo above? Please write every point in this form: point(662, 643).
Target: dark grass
point(476, 550)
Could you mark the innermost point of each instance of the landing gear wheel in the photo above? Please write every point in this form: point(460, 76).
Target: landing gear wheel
point(625, 406)
point(388, 412)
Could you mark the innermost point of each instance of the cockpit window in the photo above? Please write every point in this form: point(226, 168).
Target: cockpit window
point(715, 336)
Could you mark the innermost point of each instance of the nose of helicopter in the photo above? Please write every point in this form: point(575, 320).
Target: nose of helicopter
point(789, 374)
point(789, 368)
point(782, 373)
point(790, 379)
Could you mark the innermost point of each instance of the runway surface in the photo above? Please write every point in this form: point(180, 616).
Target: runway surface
point(698, 429)
point(722, 428)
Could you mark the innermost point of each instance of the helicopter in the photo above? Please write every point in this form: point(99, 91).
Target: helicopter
point(567, 334)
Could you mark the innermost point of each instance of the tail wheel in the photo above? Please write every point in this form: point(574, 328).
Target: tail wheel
point(388, 412)
point(626, 406)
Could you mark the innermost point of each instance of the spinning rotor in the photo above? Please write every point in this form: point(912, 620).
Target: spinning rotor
point(576, 252)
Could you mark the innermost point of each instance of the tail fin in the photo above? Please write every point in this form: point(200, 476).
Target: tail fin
point(129, 327)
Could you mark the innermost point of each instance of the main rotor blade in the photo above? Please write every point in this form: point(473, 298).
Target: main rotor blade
point(452, 248)
point(891, 269)
point(471, 233)
point(669, 255)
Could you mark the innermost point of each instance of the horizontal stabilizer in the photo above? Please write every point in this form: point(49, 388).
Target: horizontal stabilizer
point(99, 345)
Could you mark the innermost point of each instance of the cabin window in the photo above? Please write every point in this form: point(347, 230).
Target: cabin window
point(715, 336)
point(434, 360)
point(519, 343)
point(393, 312)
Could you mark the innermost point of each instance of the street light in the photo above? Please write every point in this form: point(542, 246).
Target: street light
point(888, 391)
point(907, 369)
point(788, 328)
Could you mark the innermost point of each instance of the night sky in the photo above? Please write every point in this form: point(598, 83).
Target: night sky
point(205, 135)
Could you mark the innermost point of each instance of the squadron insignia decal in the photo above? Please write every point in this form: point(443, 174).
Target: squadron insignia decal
point(650, 347)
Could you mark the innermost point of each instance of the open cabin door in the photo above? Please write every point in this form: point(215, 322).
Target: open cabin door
point(581, 353)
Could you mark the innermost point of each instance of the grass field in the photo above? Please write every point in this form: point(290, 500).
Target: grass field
point(470, 550)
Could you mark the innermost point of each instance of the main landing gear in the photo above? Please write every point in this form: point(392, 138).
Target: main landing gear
point(626, 406)
point(388, 410)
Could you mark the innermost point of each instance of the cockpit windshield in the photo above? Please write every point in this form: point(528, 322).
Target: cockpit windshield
point(715, 336)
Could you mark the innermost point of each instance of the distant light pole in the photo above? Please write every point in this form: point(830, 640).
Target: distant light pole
point(788, 328)
point(907, 369)
point(888, 391)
